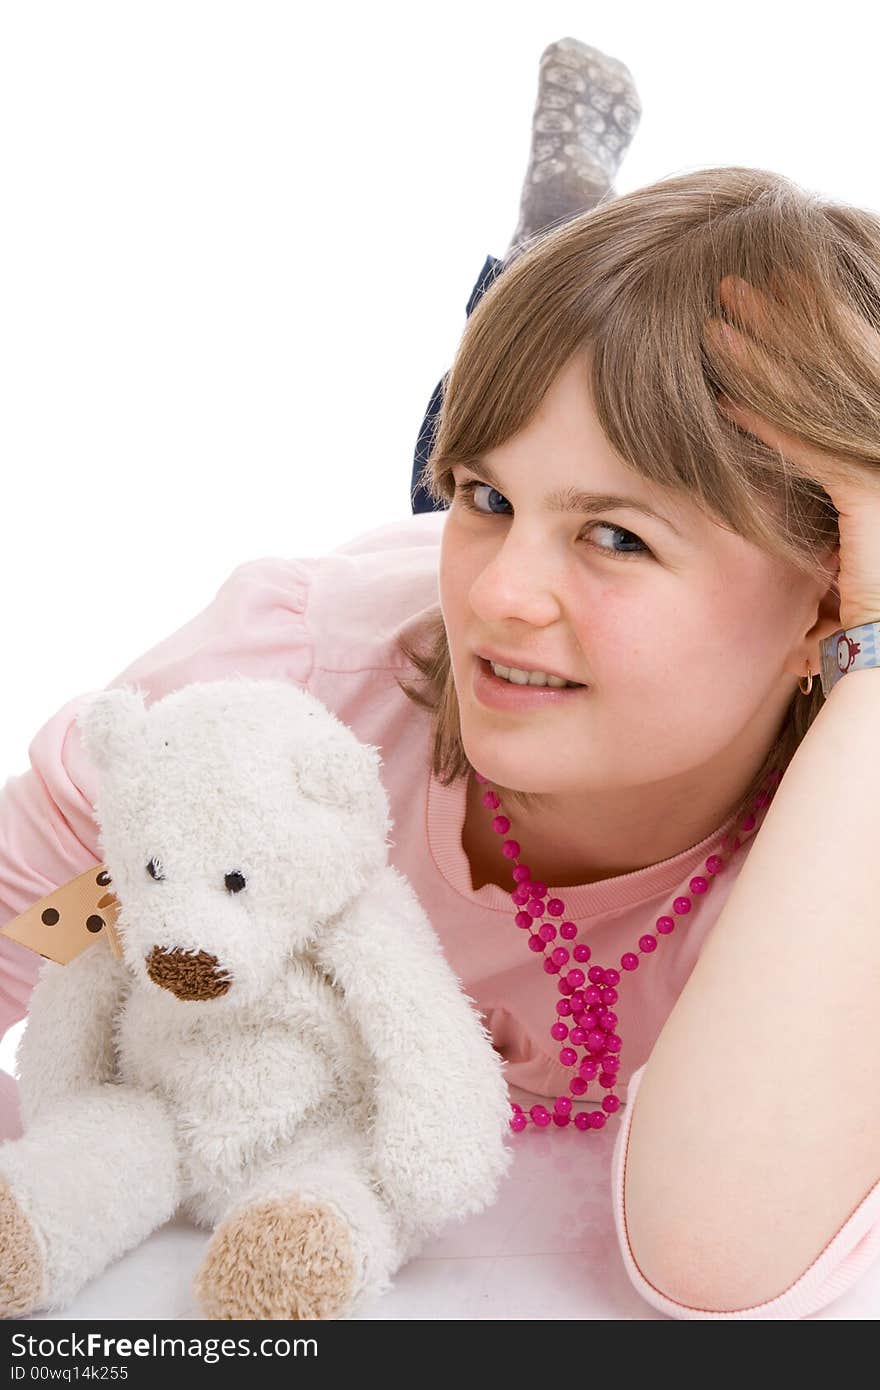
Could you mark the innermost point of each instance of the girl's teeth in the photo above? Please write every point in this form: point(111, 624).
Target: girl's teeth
point(517, 677)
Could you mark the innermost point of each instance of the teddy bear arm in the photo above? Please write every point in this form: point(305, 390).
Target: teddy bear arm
point(68, 1043)
point(442, 1108)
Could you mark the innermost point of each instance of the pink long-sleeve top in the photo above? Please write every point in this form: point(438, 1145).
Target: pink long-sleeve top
point(330, 624)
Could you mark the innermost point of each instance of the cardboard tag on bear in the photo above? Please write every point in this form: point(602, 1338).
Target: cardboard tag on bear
point(65, 923)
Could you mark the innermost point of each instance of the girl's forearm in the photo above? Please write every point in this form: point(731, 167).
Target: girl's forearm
point(756, 1130)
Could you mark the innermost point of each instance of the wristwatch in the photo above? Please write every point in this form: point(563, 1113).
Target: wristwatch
point(848, 649)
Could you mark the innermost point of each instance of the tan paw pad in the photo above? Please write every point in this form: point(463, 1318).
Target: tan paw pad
point(278, 1259)
point(21, 1264)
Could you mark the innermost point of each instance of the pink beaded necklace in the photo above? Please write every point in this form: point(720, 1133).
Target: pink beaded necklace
point(584, 1014)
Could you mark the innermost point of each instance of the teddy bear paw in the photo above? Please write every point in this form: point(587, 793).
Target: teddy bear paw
point(21, 1263)
point(279, 1259)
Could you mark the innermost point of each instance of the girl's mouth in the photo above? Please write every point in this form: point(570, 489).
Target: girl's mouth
point(497, 693)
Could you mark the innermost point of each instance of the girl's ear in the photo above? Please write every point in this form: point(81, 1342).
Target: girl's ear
point(111, 722)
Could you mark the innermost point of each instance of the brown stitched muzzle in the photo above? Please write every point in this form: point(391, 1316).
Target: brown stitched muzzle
point(186, 975)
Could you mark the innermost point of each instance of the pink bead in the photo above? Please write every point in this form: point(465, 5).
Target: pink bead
point(535, 943)
point(562, 1120)
point(582, 951)
point(563, 1008)
point(595, 1040)
point(577, 1086)
point(611, 1103)
point(491, 799)
point(547, 931)
point(510, 849)
point(555, 907)
point(607, 1079)
point(592, 994)
point(612, 977)
point(682, 905)
point(596, 974)
point(540, 1114)
point(564, 987)
point(578, 1036)
point(714, 864)
point(522, 872)
point(500, 825)
point(568, 930)
point(520, 895)
point(576, 977)
point(611, 1063)
point(647, 943)
point(597, 1119)
point(514, 1105)
point(588, 1068)
point(535, 907)
point(550, 966)
point(699, 884)
point(559, 1031)
point(609, 996)
point(523, 919)
point(562, 1105)
point(629, 962)
point(582, 1120)
point(665, 925)
point(612, 1042)
point(560, 955)
point(539, 890)
point(577, 999)
point(568, 1056)
point(609, 1020)
point(518, 1123)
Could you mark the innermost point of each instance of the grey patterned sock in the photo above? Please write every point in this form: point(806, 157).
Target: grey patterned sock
point(586, 114)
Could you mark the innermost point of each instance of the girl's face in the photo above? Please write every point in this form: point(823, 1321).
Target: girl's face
point(689, 637)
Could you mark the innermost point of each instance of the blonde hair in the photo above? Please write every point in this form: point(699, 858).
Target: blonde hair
point(635, 280)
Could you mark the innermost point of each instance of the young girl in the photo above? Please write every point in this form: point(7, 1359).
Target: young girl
point(582, 671)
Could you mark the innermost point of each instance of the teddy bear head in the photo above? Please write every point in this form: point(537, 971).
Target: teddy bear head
point(235, 817)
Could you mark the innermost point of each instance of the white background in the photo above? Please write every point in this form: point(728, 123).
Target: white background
point(237, 243)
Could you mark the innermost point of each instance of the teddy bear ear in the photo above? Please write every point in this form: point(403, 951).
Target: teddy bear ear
point(338, 775)
point(110, 722)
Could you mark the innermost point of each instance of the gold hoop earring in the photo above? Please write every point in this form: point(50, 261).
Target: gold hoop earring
point(809, 678)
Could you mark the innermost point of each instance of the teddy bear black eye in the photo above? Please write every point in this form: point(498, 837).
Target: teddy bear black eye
point(235, 881)
point(154, 868)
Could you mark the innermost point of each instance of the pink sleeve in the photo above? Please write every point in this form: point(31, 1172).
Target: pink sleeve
point(835, 1269)
point(255, 625)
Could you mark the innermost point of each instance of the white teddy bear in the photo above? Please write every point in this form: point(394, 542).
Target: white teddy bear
point(282, 1051)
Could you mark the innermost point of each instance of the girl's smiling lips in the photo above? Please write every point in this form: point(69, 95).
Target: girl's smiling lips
point(520, 664)
point(496, 693)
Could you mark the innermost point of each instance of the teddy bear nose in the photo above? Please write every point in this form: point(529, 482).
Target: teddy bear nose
point(187, 975)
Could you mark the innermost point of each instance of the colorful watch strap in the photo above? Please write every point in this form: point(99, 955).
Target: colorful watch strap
point(848, 649)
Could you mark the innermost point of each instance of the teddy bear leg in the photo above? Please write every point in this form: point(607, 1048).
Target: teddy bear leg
point(307, 1241)
point(91, 1178)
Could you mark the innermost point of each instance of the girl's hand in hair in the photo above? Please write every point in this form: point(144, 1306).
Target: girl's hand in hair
point(854, 488)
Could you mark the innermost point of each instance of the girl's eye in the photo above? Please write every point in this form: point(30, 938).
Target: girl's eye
point(466, 490)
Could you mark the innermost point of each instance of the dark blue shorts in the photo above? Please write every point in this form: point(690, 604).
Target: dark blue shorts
point(419, 498)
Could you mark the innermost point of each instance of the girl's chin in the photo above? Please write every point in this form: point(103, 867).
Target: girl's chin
point(513, 760)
